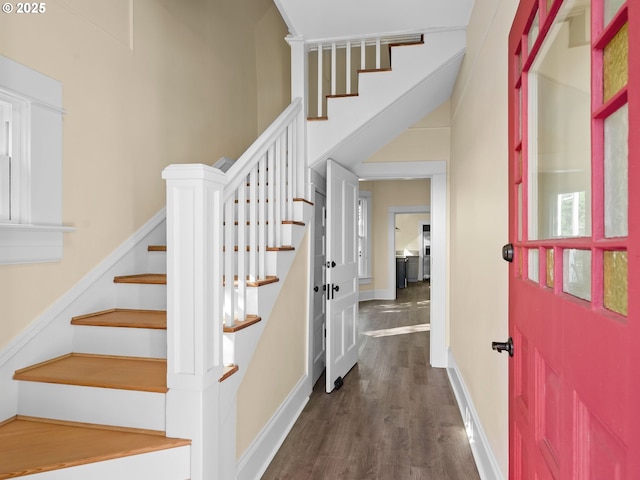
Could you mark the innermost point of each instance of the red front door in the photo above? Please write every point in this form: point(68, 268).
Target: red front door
point(574, 300)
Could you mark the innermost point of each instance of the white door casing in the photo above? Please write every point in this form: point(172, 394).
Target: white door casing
point(318, 312)
point(341, 274)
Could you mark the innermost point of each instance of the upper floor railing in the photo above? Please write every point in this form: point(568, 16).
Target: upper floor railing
point(334, 65)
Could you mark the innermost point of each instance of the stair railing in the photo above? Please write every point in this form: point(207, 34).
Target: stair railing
point(340, 75)
point(264, 182)
point(201, 266)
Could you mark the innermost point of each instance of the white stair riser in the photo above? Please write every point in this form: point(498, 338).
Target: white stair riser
point(271, 259)
point(169, 464)
point(286, 235)
point(130, 342)
point(141, 296)
point(157, 262)
point(106, 406)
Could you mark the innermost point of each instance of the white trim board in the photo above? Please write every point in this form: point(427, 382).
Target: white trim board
point(486, 462)
point(399, 170)
point(258, 456)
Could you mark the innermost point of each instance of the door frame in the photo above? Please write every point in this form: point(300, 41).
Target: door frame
point(321, 189)
point(437, 172)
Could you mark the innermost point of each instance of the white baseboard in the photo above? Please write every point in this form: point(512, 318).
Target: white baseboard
point(256, 459)
point(486, 462)
point(365, 295)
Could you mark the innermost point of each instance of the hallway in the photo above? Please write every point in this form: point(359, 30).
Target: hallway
point(395, 417)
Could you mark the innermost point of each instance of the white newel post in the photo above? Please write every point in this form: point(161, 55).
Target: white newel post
point(299, 85)
point(194, 311)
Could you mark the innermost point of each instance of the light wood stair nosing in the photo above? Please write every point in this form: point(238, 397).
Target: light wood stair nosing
point(142, 278)
point(81, 445)
point(242, 324)
point(30, 373)
point(228, 371)
point(97, 319)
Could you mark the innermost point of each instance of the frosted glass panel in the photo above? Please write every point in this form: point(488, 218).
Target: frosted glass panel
point(550, 268)
point(520, 212)
point(534, 264)
point(616, 156)
point(611, 7)
point(576, 273)
point(519, 261)
point(559, 113)
point(616, 63)
point(615, 281)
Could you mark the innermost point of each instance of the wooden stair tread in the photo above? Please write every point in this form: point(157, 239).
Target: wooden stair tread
point(240, 324)
point(105, 371)
point(228, 371)
point(342, 95)
point(144, 278)
point(157, 248)
point(29, 446)
point(256, 283)
point(127, 318)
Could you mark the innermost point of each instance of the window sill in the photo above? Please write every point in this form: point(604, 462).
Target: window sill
point(22, 243)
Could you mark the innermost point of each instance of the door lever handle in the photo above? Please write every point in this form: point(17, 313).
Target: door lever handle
point(503, 346)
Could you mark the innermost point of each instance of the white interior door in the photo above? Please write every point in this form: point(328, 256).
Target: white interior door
point(341, 274)
point(319, 288)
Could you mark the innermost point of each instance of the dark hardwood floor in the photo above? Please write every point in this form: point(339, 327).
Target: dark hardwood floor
point(395, 417)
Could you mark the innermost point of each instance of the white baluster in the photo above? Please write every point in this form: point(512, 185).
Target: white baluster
point(253, 224)
point(242, 251)
point(277, 220)
point(320, 80)
point(363, 54)
point(333, 68)
point(300, 157)
point(270, 200)
point(378, 53)
point(291, 170)
point(229, 264)
point(262, 217)
point(348, 66)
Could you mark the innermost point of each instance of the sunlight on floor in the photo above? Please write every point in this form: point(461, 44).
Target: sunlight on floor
point(388, 332)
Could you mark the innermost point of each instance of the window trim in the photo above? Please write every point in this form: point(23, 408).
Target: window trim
point(367, 278)
point(37, 233)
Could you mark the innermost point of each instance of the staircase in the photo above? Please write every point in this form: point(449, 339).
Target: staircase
point(147, 386)
point(104, 414)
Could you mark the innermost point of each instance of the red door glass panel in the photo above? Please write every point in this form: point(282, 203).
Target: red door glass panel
point(574, 307)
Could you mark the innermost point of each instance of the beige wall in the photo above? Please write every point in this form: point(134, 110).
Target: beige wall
point(146, 83)
point(279, 361)
point(427, 140)
point(478, 311)
point(409, 231)
point(274, 67)
point(386, 194)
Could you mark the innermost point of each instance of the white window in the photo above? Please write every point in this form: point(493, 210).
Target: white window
point(14, 161)
point(31, 227)
point(364, 236)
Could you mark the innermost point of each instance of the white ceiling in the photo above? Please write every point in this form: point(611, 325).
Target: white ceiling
point(324, 19)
